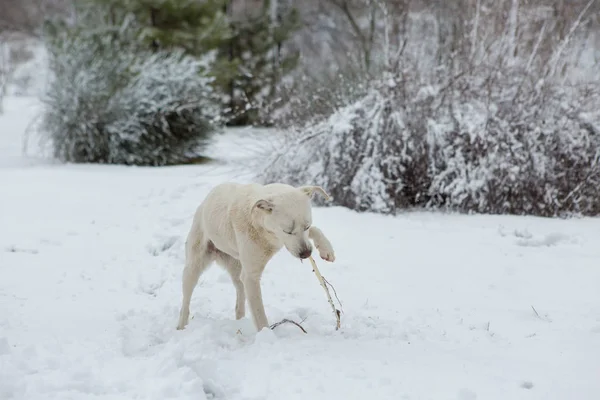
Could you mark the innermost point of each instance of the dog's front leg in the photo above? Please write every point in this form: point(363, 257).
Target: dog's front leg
point(322, 244)
point(252, 269)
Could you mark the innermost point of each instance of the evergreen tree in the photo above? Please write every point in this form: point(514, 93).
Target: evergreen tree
point(256, 62)
point(195, 26)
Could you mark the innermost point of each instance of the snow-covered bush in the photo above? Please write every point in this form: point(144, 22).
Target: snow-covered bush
point(365, 155)
point(480, 144)
point(492, 120)
point(165, 113)
point(537, 155)
point(110, 102)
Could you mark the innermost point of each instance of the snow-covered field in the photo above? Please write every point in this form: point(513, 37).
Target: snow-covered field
point(435, 306)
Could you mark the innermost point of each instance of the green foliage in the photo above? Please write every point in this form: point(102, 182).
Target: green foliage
point(195, 26)
point(255, 63)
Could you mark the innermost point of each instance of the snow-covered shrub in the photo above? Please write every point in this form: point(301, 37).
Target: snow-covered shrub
point(490, 119)
point(539, 154)
point(535, 155)
point(110, 102)
point(480, 145)
point(367, 156)
point(165, 113)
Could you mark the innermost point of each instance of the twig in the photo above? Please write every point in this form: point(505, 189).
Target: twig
point(322, 282)
point(285, 320)
point(535, 311)
point(334, 293)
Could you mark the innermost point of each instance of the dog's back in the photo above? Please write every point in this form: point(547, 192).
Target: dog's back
point(226, 205)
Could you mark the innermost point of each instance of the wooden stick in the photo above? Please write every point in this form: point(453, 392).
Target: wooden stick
point(288, 321)
point(322, 282)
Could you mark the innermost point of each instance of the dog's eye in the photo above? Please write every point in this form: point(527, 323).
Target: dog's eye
point(307, 228)
point(289, 233)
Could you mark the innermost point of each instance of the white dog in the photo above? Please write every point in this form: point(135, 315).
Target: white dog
point(241, 227)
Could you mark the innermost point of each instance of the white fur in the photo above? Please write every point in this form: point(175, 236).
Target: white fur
point(241, 227)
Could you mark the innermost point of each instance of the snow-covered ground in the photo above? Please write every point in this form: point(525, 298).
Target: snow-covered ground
point(435, 306)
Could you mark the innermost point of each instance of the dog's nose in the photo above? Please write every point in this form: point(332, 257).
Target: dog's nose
point(305, 253)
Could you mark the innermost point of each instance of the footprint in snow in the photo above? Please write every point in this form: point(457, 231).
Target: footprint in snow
point(527, 239)
point(466, 394)
point(551, 239)
point(15, 249)
point(527, 385)
point(164, 245)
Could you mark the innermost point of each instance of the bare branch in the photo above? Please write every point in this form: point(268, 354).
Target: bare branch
point(288, 321)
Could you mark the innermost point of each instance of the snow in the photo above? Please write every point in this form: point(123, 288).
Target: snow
point(436, 306)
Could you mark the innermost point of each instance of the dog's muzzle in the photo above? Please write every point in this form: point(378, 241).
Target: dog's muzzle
point(305, 253)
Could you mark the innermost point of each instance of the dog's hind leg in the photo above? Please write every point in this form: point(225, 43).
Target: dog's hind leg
point(198, 256)
point(234, 267)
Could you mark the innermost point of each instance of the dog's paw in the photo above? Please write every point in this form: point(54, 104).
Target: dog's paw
point(327, 254)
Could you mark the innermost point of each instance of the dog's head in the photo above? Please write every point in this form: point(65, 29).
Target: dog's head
point(288, 215)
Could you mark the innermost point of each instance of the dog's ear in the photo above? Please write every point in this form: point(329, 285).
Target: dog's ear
point(264, 205)
point(310, 190)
